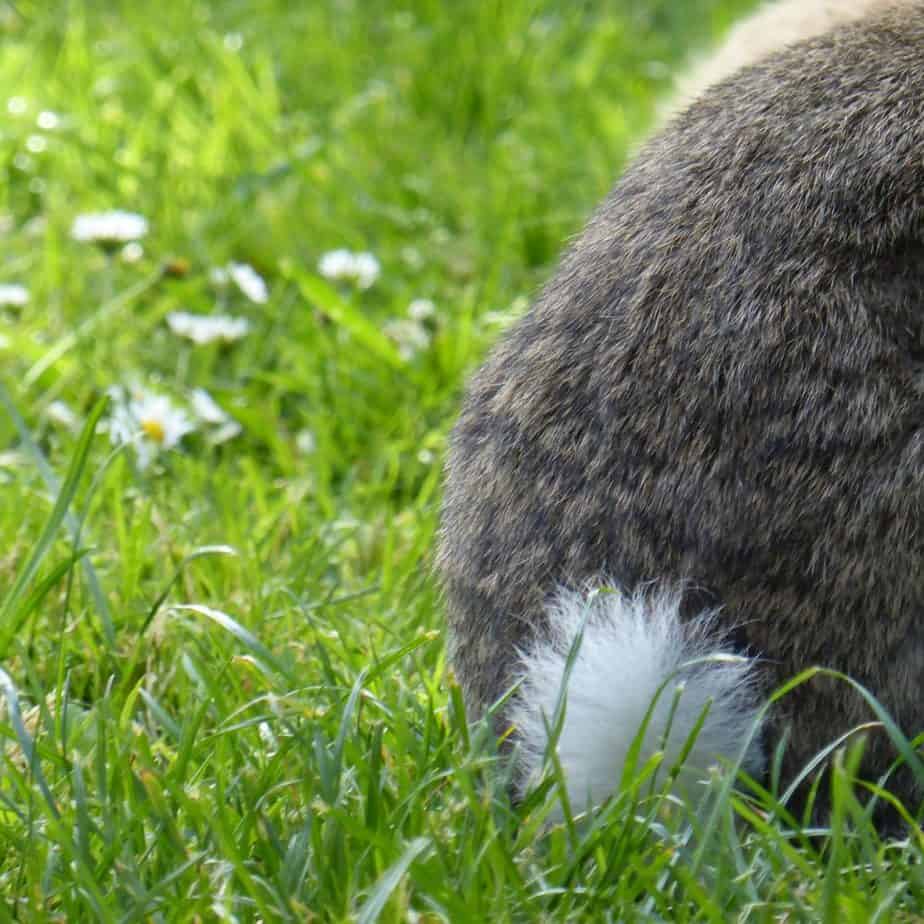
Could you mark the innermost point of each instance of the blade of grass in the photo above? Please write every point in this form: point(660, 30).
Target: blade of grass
point(10, 693)
point(11, 617)
point(244, 636)
point(339, 310)
point(70, 340)
point(54, 487)
point(375, 903)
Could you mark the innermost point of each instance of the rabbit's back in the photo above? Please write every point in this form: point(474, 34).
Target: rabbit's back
point(721, 386)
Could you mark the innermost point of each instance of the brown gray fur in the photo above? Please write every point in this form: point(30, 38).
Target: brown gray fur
point(721, 385)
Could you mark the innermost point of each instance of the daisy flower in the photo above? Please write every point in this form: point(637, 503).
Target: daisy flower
point(13, 294)
point(204, 406)
point(207, 328)
point(150, 422)
point(305, 442)
point(362, 269)
point(410, 336)
point(47, 120)
point(249, 281)
point(367, 269)
point(132, 252)
point(420, 309)
point(115, 227)
point(336, 264)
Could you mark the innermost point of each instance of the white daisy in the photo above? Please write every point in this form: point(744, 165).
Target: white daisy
point(151, 423)
point(249, 281)
point(227, 431)
point(115, 227)
point(305, 442)
point(362, 269)
point(204, 406)
point(410, 336)
point(132, 252)
point(13, 294)
point(207, 328)
point(47, 120)
point(367, 269)
point(336, 264)
point(420, 309)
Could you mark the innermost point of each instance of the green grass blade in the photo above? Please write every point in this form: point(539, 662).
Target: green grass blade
point(73, 525)
point(341, 312)
point(11, 695)
point(11, 618)
point(375, 903)
point(261, 653)
point(110, 308)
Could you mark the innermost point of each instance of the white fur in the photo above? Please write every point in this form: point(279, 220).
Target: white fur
point(631, 646)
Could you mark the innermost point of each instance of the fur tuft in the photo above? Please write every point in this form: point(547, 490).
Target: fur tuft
point(631, 646)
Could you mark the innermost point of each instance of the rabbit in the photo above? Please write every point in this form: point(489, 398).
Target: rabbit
point(705, 440)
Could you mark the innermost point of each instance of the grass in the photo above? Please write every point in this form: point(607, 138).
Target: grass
point(225, 687)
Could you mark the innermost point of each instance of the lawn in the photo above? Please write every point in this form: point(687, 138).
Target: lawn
point(223, 677)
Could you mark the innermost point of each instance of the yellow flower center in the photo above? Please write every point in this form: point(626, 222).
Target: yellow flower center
point(153, 430)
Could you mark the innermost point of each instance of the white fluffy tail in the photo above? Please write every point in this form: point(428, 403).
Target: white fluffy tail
point(632, 647)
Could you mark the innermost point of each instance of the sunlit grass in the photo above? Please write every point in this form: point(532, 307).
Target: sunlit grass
point(225, 692)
